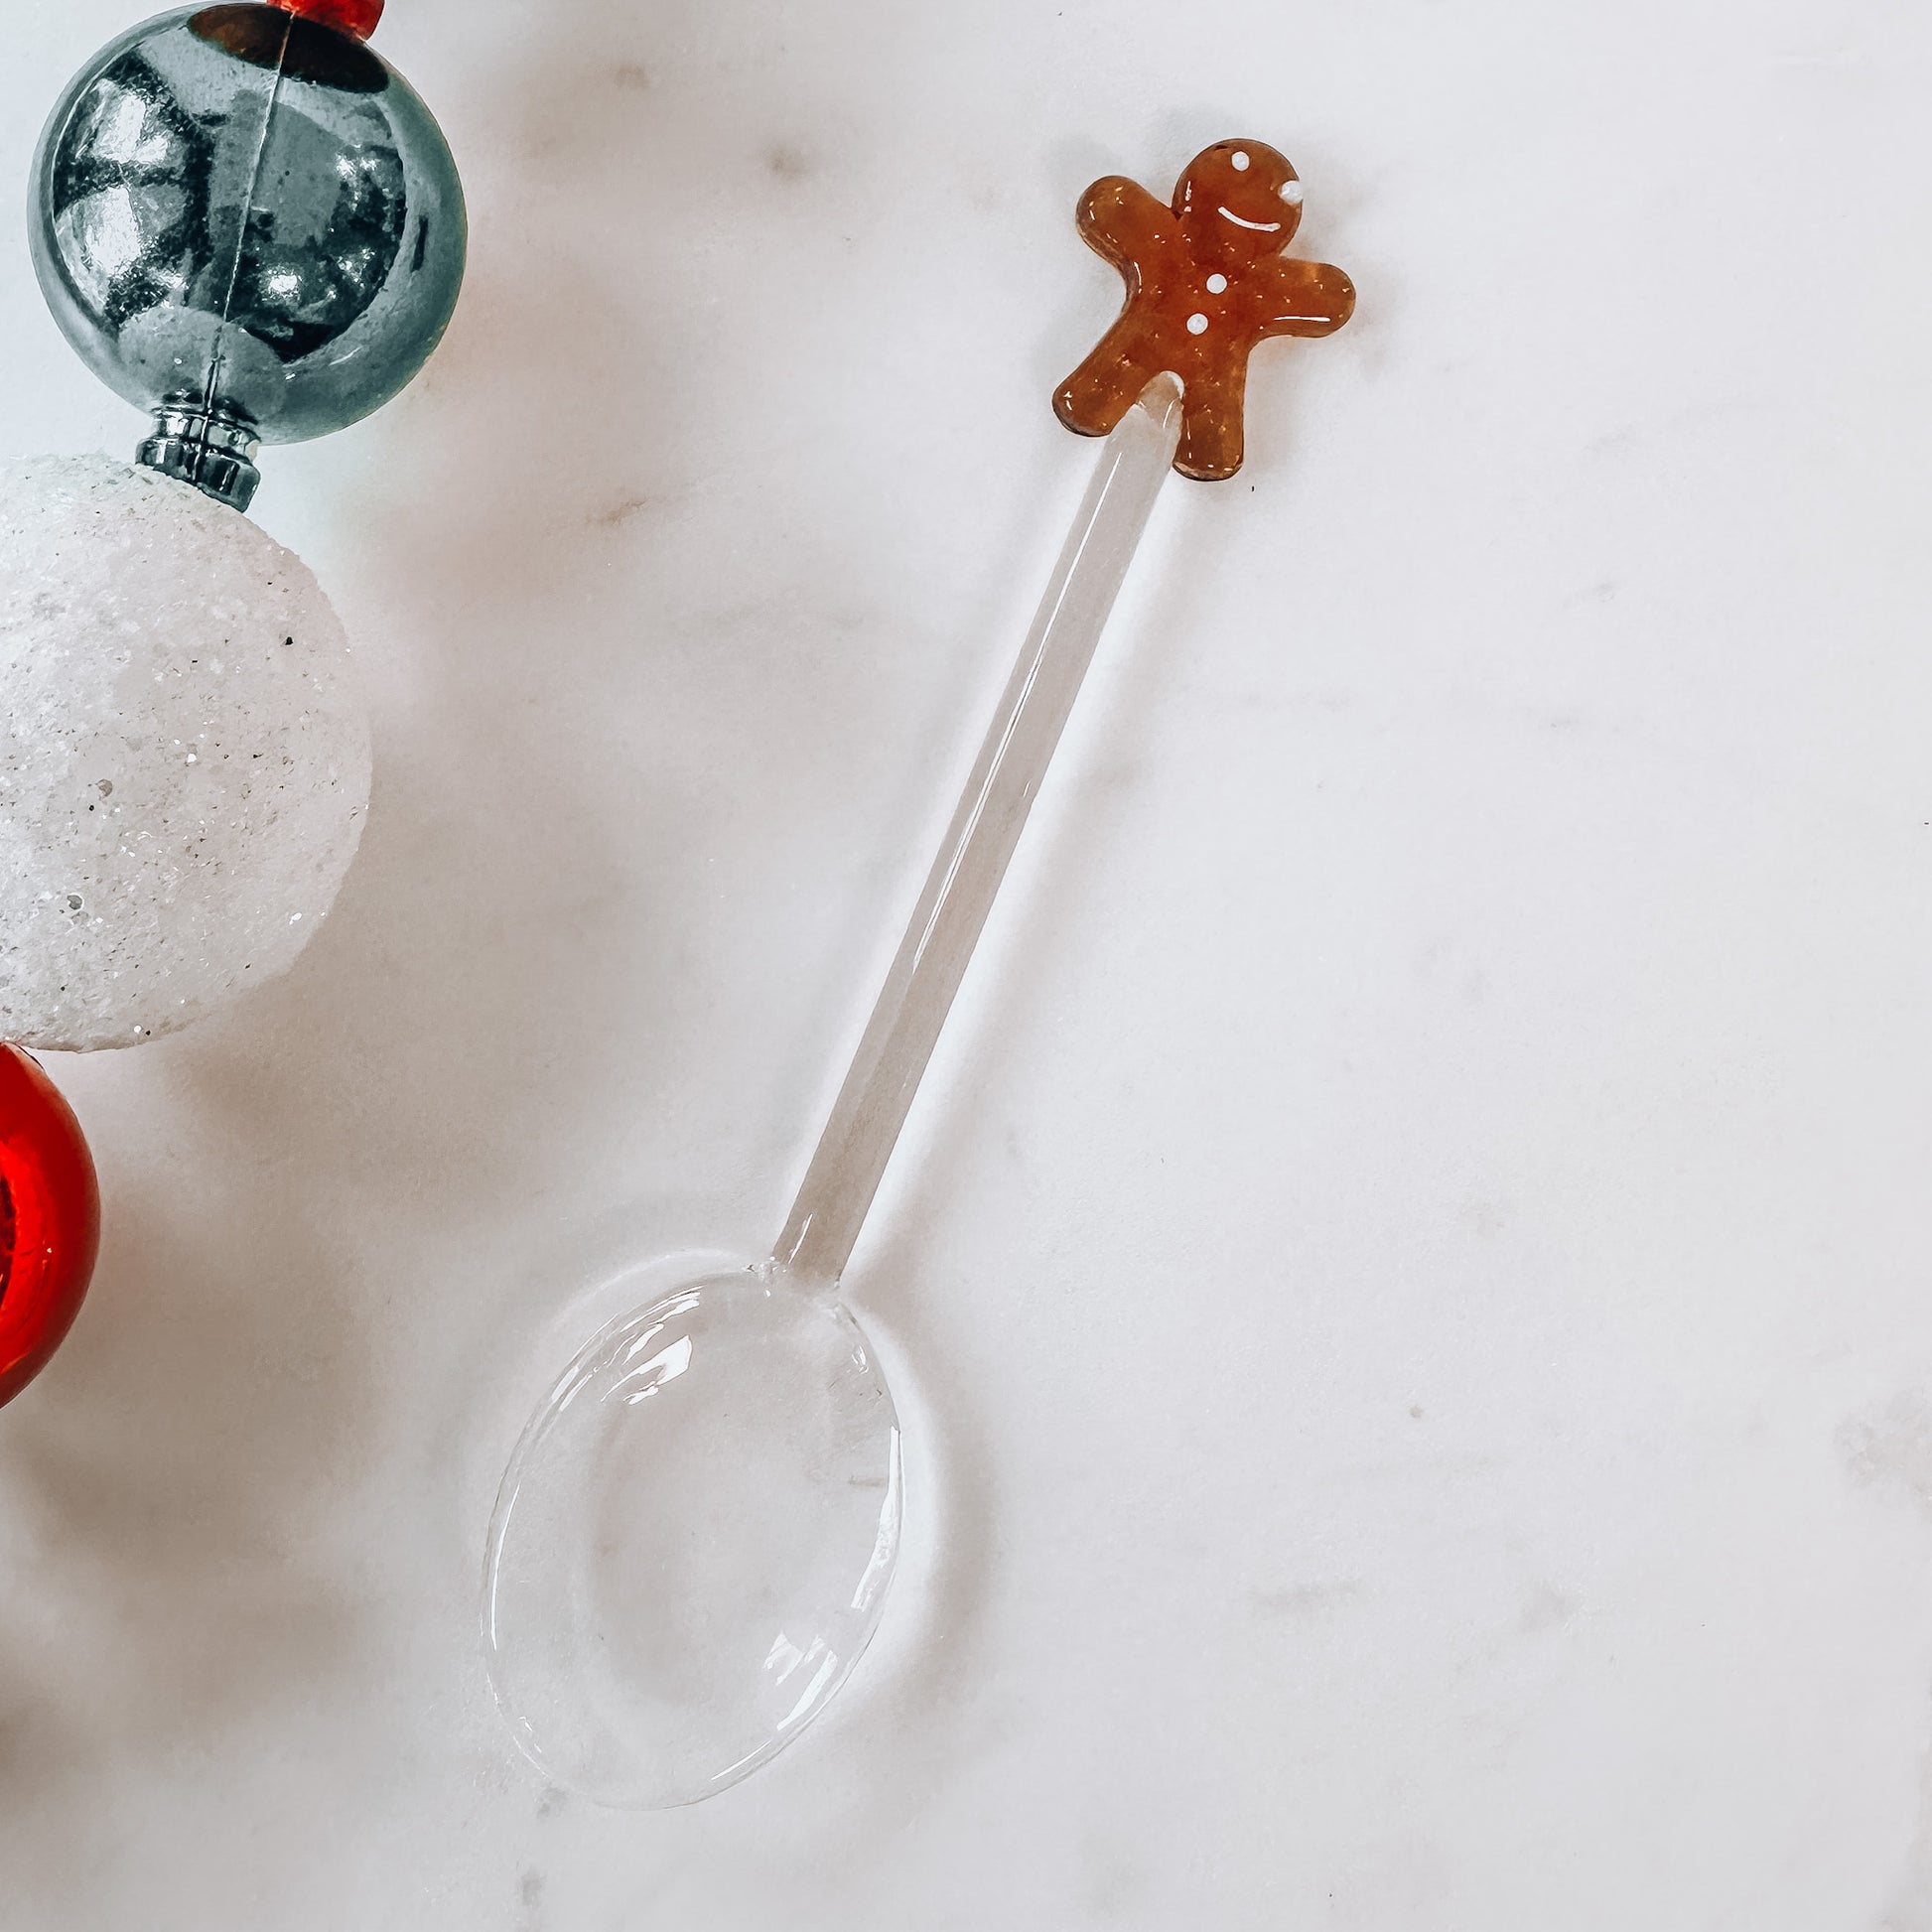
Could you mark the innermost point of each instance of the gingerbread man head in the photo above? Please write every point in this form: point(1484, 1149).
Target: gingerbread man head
point(1238, 201)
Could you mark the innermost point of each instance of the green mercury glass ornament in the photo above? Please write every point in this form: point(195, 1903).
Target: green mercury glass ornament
point(246, 222)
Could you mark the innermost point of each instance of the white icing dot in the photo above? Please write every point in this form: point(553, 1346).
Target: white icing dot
point(1292, 192)
point(1240, 159)
point(1216, 283)
point(1196, 325)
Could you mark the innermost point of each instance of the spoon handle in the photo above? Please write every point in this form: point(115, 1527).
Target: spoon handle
point(872, 1106)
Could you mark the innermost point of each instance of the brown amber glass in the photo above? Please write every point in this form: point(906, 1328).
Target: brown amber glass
point(1206, 280)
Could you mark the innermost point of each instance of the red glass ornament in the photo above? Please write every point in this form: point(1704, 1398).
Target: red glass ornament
point(50, 1219)
point(357, 17)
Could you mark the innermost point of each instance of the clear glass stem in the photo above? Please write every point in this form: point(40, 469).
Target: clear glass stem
point(872, 1106)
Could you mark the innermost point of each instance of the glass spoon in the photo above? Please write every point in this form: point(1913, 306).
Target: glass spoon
point(693, 1541)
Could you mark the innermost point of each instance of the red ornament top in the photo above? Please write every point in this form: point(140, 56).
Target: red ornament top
point(357, 17)
point(1206, 280)
point(50, 1220)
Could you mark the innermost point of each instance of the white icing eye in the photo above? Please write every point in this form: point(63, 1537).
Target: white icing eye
point(1292, 192)
point(1216, 283)
point(1240, 159)
point(1198, 324)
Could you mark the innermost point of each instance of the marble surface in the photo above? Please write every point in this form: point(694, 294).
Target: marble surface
point(1412, 1275)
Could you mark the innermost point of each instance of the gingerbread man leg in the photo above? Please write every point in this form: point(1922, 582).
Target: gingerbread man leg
point(1094, 398)
point(1212, 445)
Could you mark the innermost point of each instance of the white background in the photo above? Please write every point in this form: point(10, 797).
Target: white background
point(1411, 1277)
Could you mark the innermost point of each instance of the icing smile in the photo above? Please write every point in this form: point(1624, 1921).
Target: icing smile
point(1260, 227)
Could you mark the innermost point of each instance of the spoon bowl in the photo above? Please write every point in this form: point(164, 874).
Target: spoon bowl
point(692, 1542)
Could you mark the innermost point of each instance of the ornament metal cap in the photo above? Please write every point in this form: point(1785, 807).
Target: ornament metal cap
point(214, 452)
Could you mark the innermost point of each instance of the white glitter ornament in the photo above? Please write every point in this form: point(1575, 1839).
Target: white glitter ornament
point(184, 769)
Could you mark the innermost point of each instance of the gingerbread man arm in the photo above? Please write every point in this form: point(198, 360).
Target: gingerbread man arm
point(1304, 298)
point(1123, 223)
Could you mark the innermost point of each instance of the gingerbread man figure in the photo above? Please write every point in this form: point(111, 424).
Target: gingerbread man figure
point(1206, 280)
